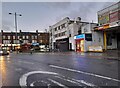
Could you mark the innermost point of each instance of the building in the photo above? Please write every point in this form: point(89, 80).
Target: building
point(86, 38)
point(43, 38)
point(62, 33)
point(10, 42)
point(109, 26)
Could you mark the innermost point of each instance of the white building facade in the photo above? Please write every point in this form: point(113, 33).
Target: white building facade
point(62, 34)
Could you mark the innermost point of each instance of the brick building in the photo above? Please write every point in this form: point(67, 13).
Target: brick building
point(9, 40)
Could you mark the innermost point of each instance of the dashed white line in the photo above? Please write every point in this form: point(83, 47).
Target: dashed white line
point(59, 84)
point(68, 80)
point(86, 73)
point(78, 81)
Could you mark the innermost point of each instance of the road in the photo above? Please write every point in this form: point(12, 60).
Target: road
point(57, 69)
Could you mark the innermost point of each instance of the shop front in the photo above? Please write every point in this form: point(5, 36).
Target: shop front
point(111, 36)
point(62, 45)
point(79, 41)
point(83, 42)
point(80, 45)
point(118, 41)
point(9, 47)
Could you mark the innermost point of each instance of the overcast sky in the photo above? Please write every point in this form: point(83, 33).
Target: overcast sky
point(41, 15)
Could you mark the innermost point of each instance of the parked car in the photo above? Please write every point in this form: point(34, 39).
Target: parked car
point(4, 52)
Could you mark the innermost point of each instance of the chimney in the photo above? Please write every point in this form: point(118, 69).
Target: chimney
point(78, 19)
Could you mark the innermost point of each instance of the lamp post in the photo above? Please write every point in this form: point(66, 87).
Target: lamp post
point(15, 14)
point(46, 40)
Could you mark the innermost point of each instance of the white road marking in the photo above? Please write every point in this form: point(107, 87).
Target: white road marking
point(69, 80)
point(32, 84)
point(46, 83)
point(84, 82)
point(86, 73)
point(79, 81)
point(23, 79)
point(59, 84)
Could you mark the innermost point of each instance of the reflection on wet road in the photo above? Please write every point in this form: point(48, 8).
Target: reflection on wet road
point(57, 69)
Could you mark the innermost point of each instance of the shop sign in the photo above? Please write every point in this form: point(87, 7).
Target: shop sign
point(79, 36)
point(103, 27)
point(104, 18)
point(114, 16)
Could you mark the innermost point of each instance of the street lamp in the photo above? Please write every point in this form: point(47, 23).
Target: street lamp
point(46, 40)
point(15, 14)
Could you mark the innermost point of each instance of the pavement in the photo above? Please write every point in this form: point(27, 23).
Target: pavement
point(109, 54)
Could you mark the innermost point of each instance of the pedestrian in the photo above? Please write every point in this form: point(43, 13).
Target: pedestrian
point(31, 51)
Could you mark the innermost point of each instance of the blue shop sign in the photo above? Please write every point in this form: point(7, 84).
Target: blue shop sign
point(79, 36)
point(35, 44)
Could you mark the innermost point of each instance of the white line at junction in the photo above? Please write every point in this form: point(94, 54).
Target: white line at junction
point(59, 84)
point(86, 73)
point(23, 79)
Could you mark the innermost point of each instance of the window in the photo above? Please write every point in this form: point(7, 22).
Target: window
point(15, 41)
point(33, 37)
point(59, 34)
point(88, 37)
point(18, 37)
point(63, 26)
point(26, 37)
point(13, 37)
point(8, 37)
point(3, 36)
point(6, 42)
point(23, 37)
point(56, 29)
point(33, 41)
point(69, 33)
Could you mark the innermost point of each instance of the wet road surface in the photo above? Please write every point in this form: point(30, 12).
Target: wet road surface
point(57, 69)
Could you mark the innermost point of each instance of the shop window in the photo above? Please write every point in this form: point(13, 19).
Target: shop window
point(88, 37)
point(109, 40)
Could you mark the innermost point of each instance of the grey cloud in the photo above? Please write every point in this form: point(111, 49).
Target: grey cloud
point(87, 10)
point(58, 5)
